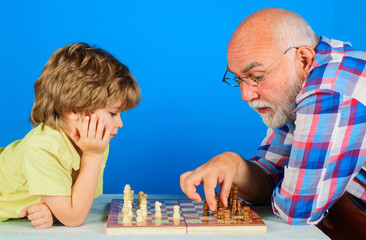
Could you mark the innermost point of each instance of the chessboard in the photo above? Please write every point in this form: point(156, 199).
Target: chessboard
point(191, 221)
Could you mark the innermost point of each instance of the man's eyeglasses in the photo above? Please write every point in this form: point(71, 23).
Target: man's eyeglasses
point(252, 81)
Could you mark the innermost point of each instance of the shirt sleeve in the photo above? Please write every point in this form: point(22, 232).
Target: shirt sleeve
point(323, 159)
point(46, 173)
point(274, 152)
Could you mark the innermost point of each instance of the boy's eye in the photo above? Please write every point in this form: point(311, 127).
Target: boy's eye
point(113, 114)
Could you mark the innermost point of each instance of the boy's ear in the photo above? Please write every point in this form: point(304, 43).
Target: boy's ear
point(73, 116)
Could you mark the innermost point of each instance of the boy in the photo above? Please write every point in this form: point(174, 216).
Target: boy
point(57, 168)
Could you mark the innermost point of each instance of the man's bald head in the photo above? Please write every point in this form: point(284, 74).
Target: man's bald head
point(278, 27)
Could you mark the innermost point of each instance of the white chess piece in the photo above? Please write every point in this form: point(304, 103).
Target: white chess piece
point(176, 214)
point(126, 219)
point(139, 217)
point(143, 207)
point(130, 213)
point(157, 209)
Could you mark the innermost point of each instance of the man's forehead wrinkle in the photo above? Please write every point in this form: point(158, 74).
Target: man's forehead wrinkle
point(250, 66)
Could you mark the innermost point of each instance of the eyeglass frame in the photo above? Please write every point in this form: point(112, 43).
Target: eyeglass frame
point(257, 79)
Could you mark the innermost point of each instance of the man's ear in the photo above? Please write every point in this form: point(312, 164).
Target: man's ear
point(305, 56)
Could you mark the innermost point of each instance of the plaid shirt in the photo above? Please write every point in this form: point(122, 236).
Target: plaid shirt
point(311, 162)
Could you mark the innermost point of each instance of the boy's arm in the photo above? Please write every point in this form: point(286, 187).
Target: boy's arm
point(39, 214)
point(93, 140)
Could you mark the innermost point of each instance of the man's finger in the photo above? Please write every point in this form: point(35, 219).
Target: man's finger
point(225, 190)
point(188, 185)
point(210, 183)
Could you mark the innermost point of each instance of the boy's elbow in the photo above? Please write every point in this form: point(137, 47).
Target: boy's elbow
point(73, 221)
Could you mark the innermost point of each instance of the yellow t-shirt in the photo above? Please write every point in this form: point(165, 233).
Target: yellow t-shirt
point(44, 162)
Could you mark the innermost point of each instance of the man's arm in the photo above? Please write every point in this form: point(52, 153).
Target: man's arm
point(225, 169)
point(325, 157)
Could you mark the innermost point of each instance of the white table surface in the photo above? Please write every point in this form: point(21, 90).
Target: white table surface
point(95, 226)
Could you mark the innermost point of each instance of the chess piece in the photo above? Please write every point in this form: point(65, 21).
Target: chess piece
point(230, 199)
point(130, 213)
point(176, 214)
point(205, 209)
point(157, 209)
point(234, 196)
point(246, 217)
point(139, 217)
point(140, 194)
point(238, 211)
point(125, 218)
point(143, 207)
point(233, 207)
point(227, 215)
point(220, 213)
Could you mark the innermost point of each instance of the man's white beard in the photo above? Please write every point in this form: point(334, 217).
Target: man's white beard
point(284, 112)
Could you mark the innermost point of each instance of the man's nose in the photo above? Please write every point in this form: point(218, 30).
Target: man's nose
point(248, 93)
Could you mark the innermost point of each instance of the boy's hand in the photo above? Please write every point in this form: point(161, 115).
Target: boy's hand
point(39, 215)
point(93, 137)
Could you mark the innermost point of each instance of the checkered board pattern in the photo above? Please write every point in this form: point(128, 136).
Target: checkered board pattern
point(191, 222)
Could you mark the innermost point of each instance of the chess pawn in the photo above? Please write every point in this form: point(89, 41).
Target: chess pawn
point(205, 209)
point(176, 214)
point(143, 207)
point(220, 213)
point(246, 217)
point(139, 217)
point(238, 211)
point(157, 209)
point(227, 215)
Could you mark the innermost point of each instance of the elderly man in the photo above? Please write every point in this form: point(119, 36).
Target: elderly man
point(311, 93)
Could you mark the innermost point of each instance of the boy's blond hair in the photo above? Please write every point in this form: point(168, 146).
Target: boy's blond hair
point(80, 78)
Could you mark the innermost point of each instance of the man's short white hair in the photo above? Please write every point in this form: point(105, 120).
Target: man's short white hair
point(292, 30)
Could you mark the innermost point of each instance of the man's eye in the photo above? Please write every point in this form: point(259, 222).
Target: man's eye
point(113, 114)
point(256, 78)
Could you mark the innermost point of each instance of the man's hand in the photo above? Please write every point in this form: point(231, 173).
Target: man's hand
point(93, 137)
point(221, 169)
point(39, 215)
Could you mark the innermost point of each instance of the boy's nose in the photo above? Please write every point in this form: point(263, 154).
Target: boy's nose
point(119, 123)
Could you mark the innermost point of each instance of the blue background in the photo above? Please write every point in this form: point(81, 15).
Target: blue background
point(177, 52)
